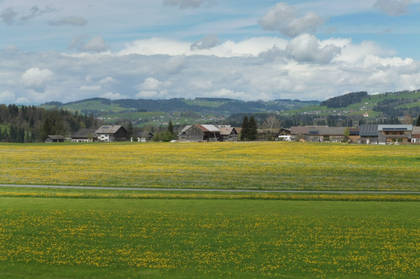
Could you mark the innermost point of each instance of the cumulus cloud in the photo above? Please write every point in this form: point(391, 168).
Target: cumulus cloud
point(36, 78)
point(113, 96)
point(70, 20)
point(286, 20)
point(160, 46)
point(207, 42)
point(393, 7)
point(153, 88)
point(302, 68)
point(185, 4)
point(307, 48)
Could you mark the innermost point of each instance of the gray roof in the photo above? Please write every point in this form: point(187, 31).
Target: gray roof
point(56, 137)
point(369, 130)
point(210, 128)
point(226, 130)
point(186, 128)
point(318, 131)
point(84, 133)
point(395, 127)
point(108, 129)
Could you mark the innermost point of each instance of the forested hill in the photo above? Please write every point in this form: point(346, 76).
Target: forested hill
point(34, 124)
point(216, 106)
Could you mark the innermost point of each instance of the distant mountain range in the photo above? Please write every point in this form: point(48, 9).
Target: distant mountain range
point(217, 106)
point(182, 111)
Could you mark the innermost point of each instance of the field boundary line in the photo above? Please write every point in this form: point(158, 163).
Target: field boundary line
point(142, 189)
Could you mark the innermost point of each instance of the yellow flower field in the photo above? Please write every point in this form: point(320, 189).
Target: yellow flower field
point(260, 165)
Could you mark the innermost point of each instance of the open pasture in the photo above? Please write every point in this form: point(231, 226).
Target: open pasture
point(121, 238)
point(260, 165)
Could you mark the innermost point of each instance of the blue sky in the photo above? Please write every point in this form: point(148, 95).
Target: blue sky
point(56, 50)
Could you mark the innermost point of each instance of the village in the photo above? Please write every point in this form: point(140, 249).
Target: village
point(365, 134)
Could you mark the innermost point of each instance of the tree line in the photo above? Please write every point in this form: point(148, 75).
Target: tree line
point(33, 124)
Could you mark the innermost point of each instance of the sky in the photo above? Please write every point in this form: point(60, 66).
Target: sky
point(56, 50)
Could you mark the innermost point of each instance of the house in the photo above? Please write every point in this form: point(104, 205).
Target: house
point(84, 135)
point(319, 133)
point(415, 135)
point(199, 133)
point(55, 139)
point(228, 133)
point(354, 135)
point(369, 134)
point(145, 136)
point(394, 134)
point(267, 134)
point(111, 133)
point(285, 135)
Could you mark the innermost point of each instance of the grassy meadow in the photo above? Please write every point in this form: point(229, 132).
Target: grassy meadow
point(267, 165)
point(122, 238)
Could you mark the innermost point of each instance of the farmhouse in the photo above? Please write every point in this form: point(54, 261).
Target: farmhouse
point(415, 135)
point(55, 138)
point(84, 135)
point(388, 134)
point(144, 136)
point(369, 134)
point(228, 133)
point(199, 133)
point(111, 133)
point(319, 133)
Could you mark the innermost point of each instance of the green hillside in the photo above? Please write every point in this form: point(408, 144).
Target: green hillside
point(180, 111)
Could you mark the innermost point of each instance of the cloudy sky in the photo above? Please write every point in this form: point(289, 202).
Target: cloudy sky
point(56, 50)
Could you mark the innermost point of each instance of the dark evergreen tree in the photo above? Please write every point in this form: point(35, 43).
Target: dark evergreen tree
point(171, 128)
point(245, 128)
point(418, 121)
point(130, 129)
point(252, 129)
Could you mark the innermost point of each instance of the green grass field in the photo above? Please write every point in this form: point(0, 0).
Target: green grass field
point(261, 165)
point(121, 238)
point(73, 233)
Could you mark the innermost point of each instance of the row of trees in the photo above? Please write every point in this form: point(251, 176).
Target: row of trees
point(34, 124)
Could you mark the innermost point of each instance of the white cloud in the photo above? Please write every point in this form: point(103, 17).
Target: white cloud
point(303, 68)
point(153, 88)
point(393, 7)
point(107, 80)
point(307, 48)
point(90, 87)
point(160, 46)
point(185, 4)
point(113, 96)
point(7, 97)
point(286, 20)
point(36, 78)
point(207, 42)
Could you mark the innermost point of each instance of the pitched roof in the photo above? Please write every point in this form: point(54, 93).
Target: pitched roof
point(226, 130)
point(56, 137)
point(84, 133)
point(186, 128)
point(318, 130)
point(369, 130)
point(395, 127)
point(108, 129)
point(209, 128)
